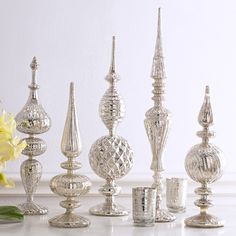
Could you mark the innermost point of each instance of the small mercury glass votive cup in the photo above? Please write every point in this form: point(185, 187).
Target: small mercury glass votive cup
point(176, 191)
point(144, 206)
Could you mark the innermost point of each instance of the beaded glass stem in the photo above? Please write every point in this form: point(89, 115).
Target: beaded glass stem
point(157, 125)
point(32, 120)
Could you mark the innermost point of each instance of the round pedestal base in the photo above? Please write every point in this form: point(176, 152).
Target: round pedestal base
point(164, 216)
point(69, 220)
point(204, 221)
point(108, 210)
point(31, 208)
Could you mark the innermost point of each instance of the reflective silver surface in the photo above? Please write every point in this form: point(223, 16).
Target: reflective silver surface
point(157, 125)
point(70, 185)
point(144, 206)
point(204, 164)
point(32, 120)
point(110, 156)
point(176, 193)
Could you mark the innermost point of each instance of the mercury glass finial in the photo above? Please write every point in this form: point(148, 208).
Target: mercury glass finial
point(70, 185)
point(204, 164)
point(32, 120)
point(157, 124)
point(158, 67)
point(110, 156)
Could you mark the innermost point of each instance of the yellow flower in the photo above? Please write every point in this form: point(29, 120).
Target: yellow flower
point(7, 126)
point(10, 146)
point(6, 183)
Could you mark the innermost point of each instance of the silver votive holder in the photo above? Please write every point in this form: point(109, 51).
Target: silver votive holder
point(176, 191)
point(144, 206)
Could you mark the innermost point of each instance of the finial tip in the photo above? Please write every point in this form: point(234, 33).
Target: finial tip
point(207, 90)
point(72, 88)
point(34, 64)
point(112, 68)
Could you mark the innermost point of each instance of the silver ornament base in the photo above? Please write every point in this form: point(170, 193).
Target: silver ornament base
point(108, 210)
point(204, 221)
point(164, 216)
point(31, 208)
point(69, 220)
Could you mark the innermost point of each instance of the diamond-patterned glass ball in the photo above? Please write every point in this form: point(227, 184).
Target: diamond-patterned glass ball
point(204, 164)
point(111, 157)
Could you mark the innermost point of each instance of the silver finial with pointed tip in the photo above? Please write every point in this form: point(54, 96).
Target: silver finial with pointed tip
point(112, 76)
point(158, 67)
point(70, 185)
point(205, 117)
point(112, 108)
point(204, 164)
point(71, 141)
point(110, 156)
point(157, 125)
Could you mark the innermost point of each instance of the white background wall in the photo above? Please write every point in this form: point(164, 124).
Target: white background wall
point(72, 40)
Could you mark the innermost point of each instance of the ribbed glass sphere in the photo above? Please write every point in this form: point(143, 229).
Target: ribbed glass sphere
point(204, 163)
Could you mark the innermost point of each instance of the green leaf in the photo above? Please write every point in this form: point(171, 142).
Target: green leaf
point(11, 213)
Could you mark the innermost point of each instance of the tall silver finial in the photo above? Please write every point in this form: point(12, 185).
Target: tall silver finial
point(157, 126)
point(32, 120)
point(204, 164)
point(158, 67)
point(111, 156)
point(70, 185)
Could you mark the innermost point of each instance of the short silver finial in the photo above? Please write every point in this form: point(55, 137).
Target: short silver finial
point(204, 164)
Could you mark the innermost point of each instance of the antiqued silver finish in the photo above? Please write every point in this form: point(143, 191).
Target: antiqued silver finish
point(204, 164)
point(157, 125)
point(144, 206)
point(32, 120)
point(110, 156)
point(70, 185)
point(176, 193)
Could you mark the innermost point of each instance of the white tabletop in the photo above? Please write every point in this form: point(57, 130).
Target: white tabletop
point(121, 226)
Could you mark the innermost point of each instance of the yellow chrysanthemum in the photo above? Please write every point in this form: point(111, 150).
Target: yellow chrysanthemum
point(10, 146)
